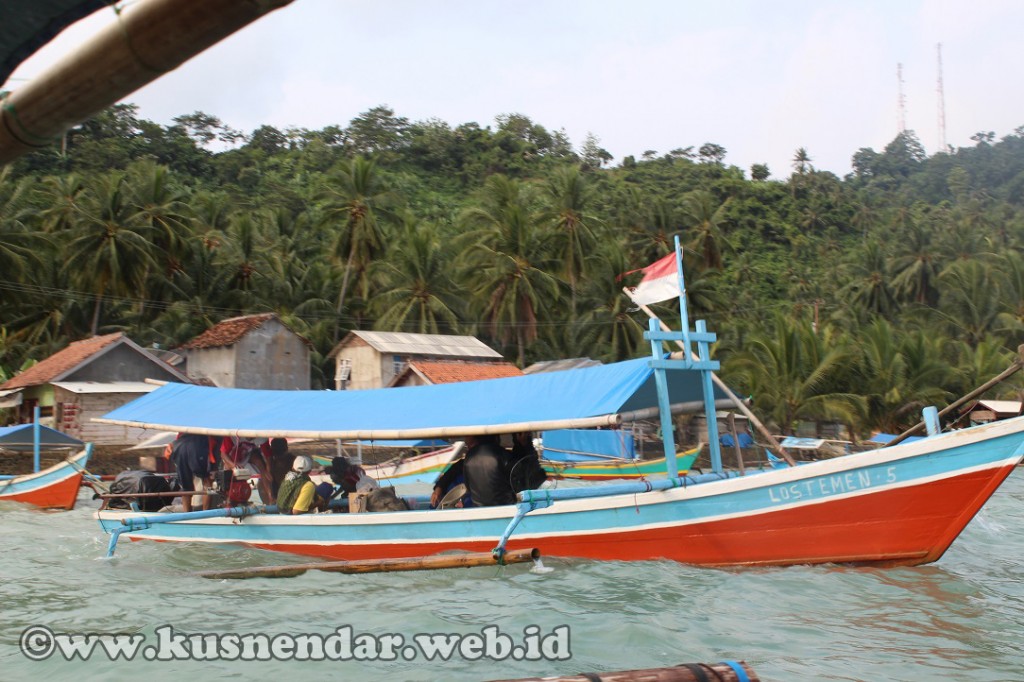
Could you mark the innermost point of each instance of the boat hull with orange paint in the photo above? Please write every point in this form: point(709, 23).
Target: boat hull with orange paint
point(902, 505)
point(52, 488)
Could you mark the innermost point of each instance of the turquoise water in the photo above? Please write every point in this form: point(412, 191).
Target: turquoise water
point(961, 618)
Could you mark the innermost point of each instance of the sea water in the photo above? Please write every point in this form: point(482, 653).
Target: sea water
point(961, 618)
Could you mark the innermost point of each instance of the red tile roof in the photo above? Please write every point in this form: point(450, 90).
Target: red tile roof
point(453, 372)
point(228, 332)
point(61, 362)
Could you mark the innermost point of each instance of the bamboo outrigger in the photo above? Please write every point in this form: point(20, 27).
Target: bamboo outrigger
point(149, 39)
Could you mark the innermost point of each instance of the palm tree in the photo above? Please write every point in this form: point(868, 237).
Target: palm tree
point(355, 198)
point(111, 248)
point(898, 378)
point(568, 195)
point(19, 244)
point(801, 161)
point(915, 266)
point(418, 293)
point(607, 329)
point(971, 301)
point(869, 286)
point(794, 373)
point(706, 223)
point(506, 264)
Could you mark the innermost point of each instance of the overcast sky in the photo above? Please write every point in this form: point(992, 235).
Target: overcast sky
point(759, 78)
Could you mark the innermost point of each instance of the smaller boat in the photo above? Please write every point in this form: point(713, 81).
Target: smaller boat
point(422, 468)
point(53, 488)
point(625, 468)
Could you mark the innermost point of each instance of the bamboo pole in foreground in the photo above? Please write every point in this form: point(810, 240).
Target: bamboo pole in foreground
point(425, 563)
point(685, 672)
point(149, 39)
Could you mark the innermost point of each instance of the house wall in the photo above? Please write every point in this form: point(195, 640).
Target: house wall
point(366, 365)
point(122, 363)
point(74, 413)
point(272, 357)
point(216, 365)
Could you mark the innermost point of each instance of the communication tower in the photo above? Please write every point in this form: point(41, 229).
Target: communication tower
point(942, 103)
point(901, 102)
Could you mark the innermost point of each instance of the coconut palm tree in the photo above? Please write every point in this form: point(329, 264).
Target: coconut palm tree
point(112, 248)
point(793, 374)
point(916, 265)
point(417, 291)
point(608, 329)
point(706, 220)
point(567, 196)
point(356, 201)
point(506, 264)
point(898, 376)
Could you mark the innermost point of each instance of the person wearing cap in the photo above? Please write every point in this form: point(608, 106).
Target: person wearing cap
point(297, 494)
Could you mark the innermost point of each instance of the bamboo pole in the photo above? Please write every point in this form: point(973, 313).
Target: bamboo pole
point(149, 39)
point(726, 671)
point(772, 444)
point(425, 563)
point(1014, 367)
point(736, 443)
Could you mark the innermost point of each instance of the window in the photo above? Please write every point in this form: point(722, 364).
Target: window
point(342, 373)
point(398, 364)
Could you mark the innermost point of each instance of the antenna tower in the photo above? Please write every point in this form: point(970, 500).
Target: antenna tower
point(901, 102)
point(942, 103)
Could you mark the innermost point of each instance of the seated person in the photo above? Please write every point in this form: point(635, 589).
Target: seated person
point(351, 477)
point(297, 494)
point(280, 463)
point(492, 474)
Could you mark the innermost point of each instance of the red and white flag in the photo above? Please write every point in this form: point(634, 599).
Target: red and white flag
point(660, 282)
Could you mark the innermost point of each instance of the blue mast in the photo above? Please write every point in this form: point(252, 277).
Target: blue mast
point(688, 362)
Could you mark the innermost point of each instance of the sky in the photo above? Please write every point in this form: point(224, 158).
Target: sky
point(761, 79)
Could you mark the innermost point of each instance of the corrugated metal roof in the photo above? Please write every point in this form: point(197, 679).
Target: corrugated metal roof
point(560, 365)
point(106, 386)
point(404, 343)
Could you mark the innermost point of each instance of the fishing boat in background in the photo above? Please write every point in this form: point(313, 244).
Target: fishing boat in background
point(617, 469)
point(898, 505)
point(52, 488)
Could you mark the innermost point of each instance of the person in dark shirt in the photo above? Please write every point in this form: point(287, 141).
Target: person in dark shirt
point(492, 474)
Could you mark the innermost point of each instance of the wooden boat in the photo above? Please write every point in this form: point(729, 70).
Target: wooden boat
point(422, 468)
point(617, 469)
point(52, 488)
point(898, 505)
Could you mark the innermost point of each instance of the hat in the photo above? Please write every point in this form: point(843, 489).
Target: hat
point(325, 490)
point(302, 464)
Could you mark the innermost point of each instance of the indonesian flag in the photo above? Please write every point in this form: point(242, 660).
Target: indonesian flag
point(660, 282)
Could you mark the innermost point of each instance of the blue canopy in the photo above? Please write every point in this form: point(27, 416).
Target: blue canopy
point(605, 395)
point(19, 438)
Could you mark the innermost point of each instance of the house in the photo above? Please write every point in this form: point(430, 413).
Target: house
point(427, 372)
point(252, 351)
point(373, 359)
point(985, 411)
point(87, 379)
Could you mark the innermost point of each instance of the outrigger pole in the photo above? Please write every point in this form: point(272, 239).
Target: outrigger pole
point(148, 40)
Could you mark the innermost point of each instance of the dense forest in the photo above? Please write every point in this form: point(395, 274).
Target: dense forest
point(858, 299)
